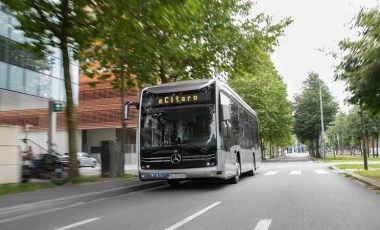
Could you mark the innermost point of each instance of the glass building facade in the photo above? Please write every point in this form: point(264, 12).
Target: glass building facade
point(23, 72)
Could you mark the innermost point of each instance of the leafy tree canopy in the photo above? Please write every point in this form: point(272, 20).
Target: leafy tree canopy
point(307, 113)
point(360, 66)
point(266, 93)
point(178, 40)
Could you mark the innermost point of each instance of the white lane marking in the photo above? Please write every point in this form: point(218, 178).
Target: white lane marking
point(270, 173)
point(321, 172)
point(295, 172)
point(184, 221)
point(263, 224)
point(38, 213)
point(78, 223)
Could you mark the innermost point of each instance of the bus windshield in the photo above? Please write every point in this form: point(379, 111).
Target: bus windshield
point(191, 126)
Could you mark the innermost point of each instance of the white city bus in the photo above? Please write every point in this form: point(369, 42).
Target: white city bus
point(196, 129)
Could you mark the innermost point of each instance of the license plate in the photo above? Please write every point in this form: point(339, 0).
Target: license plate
point(177, 176)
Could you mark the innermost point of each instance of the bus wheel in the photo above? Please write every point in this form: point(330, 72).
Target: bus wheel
point(252, 172)
point(173, 182)
point(235, 179)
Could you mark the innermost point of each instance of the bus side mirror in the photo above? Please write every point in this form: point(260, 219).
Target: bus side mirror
point(226, 113)
point(126, 108)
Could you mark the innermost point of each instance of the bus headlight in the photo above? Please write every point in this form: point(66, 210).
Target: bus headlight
point(210, 164)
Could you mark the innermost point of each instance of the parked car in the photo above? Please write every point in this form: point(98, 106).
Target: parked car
point(84, 160)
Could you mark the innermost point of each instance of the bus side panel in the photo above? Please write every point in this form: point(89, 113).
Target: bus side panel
point(258, 157)
point(246, 156)
point(226, 163)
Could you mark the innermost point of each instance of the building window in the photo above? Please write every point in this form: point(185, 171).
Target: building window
point(16, 79)
point(3, 75)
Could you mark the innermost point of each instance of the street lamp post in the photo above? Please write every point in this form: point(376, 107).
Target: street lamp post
point(322, 124)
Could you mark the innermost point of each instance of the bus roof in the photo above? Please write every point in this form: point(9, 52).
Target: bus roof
point(179, 86)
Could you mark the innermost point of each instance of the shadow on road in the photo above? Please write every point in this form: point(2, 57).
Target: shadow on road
point(199, 185)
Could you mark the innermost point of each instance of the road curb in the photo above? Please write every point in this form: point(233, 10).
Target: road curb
point(358, 177)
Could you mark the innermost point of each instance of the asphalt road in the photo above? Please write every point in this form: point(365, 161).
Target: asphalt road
point(291, 193)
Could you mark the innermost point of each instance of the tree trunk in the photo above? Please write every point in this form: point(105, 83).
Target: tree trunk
point(373, 146)
point(262, 149)
point(318, 155)
point(270, 148)
point(70, 109)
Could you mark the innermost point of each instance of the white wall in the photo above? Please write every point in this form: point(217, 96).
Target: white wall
point(60, 139)
point(10, 154)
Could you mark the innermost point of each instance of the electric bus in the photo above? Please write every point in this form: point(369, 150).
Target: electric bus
point(198, 129)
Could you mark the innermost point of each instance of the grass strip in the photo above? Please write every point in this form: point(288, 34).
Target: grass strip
point(330, 157)
point(6, 189)
point(375, 175)
point(357, 166)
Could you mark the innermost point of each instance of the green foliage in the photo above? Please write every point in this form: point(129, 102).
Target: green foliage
point(346, 130)
point(307, 115)
point(265, 92)
point(360, 67)
point(6, 189)
point(178, 40)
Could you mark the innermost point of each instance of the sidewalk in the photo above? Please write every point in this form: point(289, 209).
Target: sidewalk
point(70, 191)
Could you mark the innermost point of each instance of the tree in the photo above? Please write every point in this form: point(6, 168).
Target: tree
point(307, 116)
point(58, 24)
point(265, 92)
point(360, 67)
point(178, 40)
point(344, 132)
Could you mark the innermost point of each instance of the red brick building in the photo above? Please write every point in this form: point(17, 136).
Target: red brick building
point(98, 119)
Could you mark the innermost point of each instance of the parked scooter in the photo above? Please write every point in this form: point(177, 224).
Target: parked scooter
point(44, 166)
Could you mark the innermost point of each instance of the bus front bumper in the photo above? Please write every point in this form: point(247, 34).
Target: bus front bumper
point(181, 174)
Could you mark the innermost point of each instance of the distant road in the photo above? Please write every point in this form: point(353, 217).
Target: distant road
point(287, 194)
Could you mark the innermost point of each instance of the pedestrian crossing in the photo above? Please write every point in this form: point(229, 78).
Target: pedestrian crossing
point(297, 172)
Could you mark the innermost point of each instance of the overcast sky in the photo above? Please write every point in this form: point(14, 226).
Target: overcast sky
point(318, 24)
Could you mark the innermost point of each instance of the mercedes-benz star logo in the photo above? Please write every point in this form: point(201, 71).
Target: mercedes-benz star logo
point(175, 158)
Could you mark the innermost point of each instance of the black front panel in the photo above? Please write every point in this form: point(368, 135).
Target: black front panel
point(178, 157)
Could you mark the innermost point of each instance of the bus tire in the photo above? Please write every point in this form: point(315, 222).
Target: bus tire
point(252, 172)
point(235, 179)
point(173, 182)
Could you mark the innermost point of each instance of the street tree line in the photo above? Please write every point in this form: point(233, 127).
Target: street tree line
point(345, 133)
point(133, 43)
point(360, 70)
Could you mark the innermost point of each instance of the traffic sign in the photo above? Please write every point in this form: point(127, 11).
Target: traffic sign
point(57, 107)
